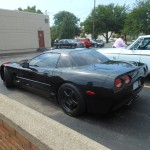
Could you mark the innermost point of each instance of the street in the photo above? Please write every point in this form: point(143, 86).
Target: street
point(125, 129)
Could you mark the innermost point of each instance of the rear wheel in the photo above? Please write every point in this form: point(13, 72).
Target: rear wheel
point(8, 78)
point(71, 100)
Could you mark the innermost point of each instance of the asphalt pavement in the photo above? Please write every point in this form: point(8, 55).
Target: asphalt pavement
point(125, 129)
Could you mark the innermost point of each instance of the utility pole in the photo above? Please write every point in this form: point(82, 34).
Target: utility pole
point(94, 19)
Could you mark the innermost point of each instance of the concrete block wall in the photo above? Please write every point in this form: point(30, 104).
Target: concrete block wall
point(10, 139)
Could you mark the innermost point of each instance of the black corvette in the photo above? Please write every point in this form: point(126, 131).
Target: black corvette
point(81, 79)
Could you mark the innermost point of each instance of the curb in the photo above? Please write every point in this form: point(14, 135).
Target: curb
point(23, 51)
point(42, 131)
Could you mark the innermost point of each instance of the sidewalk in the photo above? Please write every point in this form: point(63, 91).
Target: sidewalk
point(15, 52)
point(22, 51)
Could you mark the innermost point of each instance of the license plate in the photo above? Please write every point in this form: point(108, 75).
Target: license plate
point(135, 85)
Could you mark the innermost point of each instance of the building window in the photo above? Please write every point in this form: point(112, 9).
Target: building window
point(46, 20)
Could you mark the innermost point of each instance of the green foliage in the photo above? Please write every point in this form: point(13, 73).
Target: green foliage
point(31, 9)
point(107, 18)
point(66, 25)
point(54, 34)
point(138, 20)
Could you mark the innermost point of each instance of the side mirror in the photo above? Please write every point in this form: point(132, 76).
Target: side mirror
point(25, 65)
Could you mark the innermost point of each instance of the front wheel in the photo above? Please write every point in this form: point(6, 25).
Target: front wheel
point(71, 100)
point(8, 78)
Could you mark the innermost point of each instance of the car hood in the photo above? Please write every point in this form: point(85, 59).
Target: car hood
point(110, 50)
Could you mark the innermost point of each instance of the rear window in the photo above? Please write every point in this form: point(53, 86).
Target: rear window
point(83, 58)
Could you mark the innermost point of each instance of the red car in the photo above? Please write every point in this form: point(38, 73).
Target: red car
point(86, 42)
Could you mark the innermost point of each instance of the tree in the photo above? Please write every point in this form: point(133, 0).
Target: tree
point(31, 9)
point(67, 24)
point(108, 18)
point(54, 34)
point(138, 20)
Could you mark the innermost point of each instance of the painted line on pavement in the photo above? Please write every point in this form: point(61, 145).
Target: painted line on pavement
point(147, 86)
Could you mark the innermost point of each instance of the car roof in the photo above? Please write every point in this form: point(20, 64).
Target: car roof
point(66, 51)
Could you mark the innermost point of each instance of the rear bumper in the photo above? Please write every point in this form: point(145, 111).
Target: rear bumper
point(105, 105)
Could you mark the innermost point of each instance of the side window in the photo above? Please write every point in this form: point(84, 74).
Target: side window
point(46, 60)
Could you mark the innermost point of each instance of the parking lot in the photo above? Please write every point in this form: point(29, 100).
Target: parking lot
point(126, 128)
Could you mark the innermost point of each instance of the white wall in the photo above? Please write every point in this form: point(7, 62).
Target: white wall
point(19, 30)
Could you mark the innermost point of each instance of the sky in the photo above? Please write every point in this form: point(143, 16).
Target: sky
point(80, 8)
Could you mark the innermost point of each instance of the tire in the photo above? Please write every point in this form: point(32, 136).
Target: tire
point(8, 78)
point(71, 100)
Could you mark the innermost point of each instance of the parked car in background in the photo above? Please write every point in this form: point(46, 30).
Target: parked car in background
point(138, 51)
point(67, 43)
point(97, 43)
point(100, 43)
point(87, 43)
point(80, 44)
point(80, 79)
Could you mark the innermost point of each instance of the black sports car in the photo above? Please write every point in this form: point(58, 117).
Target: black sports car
point(81, 79)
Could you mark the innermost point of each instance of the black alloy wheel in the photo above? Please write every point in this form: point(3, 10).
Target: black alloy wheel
point(71, 100)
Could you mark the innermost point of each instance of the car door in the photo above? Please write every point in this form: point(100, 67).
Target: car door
point(39, 74)
point(67, 44)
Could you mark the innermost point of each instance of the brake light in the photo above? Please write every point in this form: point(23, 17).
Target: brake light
point(118, 83)
point(127, 79)
point(90, 93)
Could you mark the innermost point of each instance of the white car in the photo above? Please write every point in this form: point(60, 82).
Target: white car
point(138, 51)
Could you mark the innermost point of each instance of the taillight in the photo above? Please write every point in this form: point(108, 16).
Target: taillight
point(118, 83)
point(127, 79)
